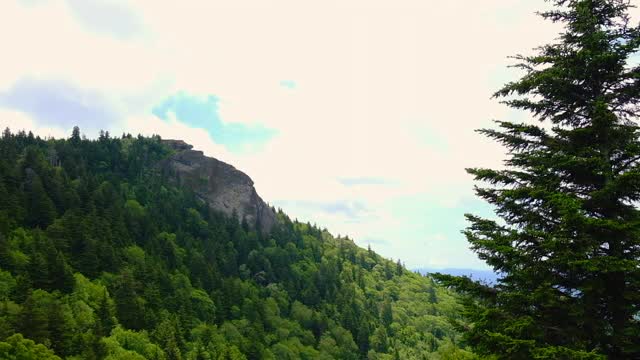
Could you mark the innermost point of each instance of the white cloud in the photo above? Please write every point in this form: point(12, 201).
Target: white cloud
point(18, 121)
point(47, 41)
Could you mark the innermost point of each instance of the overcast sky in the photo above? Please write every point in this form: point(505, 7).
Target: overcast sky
point(356, 115)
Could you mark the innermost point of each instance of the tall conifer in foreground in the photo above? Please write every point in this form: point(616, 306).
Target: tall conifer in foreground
point(569, 242)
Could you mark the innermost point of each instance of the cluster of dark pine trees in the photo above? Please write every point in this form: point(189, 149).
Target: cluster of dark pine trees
point(102, 258)
point(568, 245)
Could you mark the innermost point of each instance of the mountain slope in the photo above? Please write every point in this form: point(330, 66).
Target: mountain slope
point(106, 255)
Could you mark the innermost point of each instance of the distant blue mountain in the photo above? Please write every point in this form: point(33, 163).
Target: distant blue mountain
point(482, 275)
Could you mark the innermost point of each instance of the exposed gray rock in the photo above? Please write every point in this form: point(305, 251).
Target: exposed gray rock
point(222, 186)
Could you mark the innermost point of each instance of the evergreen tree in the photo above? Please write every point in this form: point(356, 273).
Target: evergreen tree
point(569, 245)
point(59, 272)
point(399, 268)
point(166, 336)
point(433, 298)
point(104, 315)
point(39, 272)
point(129, 307)
point(362, 336)
point(33, 320)
point(59, 334)
point(40, 209)
point(75, 136)
point(386, 314)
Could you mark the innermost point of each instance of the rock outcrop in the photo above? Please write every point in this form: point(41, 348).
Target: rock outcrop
point(222, 186)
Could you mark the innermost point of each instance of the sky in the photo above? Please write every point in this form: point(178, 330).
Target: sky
point(355, 115)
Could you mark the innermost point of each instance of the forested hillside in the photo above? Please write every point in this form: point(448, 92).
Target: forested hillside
point(102, 258)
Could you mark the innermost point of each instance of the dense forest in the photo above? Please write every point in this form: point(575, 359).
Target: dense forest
point(102, 258)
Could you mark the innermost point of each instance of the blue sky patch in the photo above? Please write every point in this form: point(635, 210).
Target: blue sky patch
point(202, 112)
point(289, 84)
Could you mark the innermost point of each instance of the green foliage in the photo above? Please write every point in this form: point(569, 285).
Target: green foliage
point(119, 263)
point(17, 347)
point(568, 246)
point(7, 284)
point(129, 344)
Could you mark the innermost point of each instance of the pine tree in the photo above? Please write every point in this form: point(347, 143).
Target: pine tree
point(362, 336)
point(40, 209)
point(60, 272)
point(433, 298)
point(33, 320)
point(58, 329)
point(568, 246)
point(399, 268)
point(75, 136)
point(129, 309)
point(104, 316)
point(386, 314)
point(39, 272)
point(166, 335)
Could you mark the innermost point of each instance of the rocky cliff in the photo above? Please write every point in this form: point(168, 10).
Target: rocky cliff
point(222, 186)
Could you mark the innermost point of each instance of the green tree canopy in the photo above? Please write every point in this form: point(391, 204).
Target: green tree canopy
point(568, 245)
point(17, 347)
